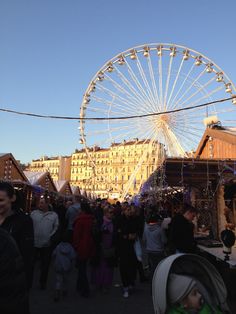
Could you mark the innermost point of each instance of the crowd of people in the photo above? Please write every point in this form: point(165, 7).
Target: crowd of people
point(92, 235)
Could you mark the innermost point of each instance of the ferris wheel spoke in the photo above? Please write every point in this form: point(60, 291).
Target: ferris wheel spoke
point(136, 170)
point(145, 81)
point(111, 104)
point(190, 86)
point(133, 97)
point(160, 81)
point(193, 116)
point(196, 92)
point(175, 81)
point(231, 121)
point(109, 92)
point(104, 111)
point(180, 130)
point(183, 138)
point(174, 141)
point(168, 81)
point(112, 129)
point(188, 142)
point(139, 86)
point(139, 96)
point(126, 135)
point(204, 96)
point(183, 83)
point(154, 86)
point(189, 125)
point(224, 111)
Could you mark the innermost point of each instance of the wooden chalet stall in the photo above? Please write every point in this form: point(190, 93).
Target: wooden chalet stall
point(75, 190)
point(42, 184)
point(217, 143)
point(200, 182)
point(11, 171)
point(63, 187)
point(42, 179)
point(220, 143)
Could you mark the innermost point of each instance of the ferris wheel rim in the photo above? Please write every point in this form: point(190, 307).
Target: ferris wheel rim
point(194, 54)
point(127, 53)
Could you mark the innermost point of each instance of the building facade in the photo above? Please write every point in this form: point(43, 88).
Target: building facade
point(58, 167)
point(117, 171)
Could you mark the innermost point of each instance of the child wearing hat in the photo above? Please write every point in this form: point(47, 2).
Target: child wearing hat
point(184, 297)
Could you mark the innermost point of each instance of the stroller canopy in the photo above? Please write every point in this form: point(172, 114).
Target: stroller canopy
point(212, 286)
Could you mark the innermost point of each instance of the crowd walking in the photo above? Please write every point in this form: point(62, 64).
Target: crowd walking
point(92, 236)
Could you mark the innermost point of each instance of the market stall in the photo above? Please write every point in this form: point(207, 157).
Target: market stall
point(11, 171)
point(63, 187)
point(200, 182)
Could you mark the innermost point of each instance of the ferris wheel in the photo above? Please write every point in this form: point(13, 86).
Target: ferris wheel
point(149, 79)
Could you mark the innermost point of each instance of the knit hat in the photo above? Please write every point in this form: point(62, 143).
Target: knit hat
point(179, 287)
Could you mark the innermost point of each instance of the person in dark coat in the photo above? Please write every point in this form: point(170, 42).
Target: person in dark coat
point(181, 234)
point(19, 225)
point(127, 228)
point(13, 289)
point(84, 246)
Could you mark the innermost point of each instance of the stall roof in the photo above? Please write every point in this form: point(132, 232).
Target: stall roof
point(61, 185)
point(222, 133)
point(18, 174)
point(75, 190)
point(35, 178)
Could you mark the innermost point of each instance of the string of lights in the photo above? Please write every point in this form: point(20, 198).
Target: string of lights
point(29, 114)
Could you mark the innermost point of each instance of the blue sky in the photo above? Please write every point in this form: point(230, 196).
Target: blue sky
point(49, 51)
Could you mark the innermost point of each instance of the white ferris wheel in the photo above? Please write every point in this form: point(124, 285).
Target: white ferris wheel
point(155, 78)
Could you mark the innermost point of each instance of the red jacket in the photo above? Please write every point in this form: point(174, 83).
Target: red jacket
point(83, 241)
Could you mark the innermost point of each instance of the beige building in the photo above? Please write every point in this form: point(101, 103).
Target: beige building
point(116, 171)
point(58, 167)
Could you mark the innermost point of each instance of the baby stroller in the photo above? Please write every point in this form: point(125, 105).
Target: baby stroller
point(208, 281)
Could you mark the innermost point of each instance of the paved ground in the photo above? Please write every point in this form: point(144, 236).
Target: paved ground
point(139, 303)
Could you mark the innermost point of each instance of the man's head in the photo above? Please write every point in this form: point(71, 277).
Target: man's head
point(7, 197)
point(189, 212)
point(44, 204)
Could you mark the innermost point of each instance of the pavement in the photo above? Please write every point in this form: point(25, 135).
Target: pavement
point(139, 302)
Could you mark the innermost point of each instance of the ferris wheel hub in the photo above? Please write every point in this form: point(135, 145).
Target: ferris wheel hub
point(151, 92)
